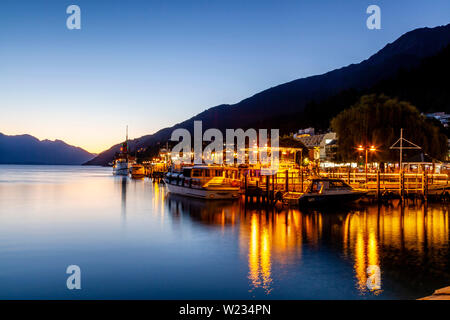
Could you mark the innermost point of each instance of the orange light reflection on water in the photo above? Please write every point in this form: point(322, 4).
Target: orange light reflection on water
point(366, 236)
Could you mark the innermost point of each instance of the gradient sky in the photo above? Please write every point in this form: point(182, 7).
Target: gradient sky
point(151, 64)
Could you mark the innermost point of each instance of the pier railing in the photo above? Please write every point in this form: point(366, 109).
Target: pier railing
point(375, 183)
point(407, 182)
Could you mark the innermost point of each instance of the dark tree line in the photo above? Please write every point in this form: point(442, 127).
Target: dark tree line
point(377, 119)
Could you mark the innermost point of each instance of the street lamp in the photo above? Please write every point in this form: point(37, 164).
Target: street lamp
point(366, 149)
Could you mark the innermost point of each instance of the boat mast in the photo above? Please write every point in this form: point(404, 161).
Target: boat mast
point(409, 145)
point(401, 149)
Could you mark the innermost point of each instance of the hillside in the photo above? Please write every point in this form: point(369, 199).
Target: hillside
point(26, 149)
point(298, 103)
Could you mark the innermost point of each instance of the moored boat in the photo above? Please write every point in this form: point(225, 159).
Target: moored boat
point(121, 164)
point(120, 167)
point(204, 182)
point(137, 171)
point(329, 191)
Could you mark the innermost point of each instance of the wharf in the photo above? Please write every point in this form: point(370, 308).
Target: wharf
point(287, 186)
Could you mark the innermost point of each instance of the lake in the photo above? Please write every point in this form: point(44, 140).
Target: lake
point(132, 240)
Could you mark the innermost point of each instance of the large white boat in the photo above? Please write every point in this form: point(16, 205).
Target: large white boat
point(121, 163)
point(204, 182)
point(121, 167)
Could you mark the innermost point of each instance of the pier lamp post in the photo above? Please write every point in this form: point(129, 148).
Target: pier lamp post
point(366, 149)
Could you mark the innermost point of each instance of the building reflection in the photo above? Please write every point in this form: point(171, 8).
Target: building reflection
point(361, 240)
point(259, 253)
point(397, 240)
point(158, 200)
point(411, 236)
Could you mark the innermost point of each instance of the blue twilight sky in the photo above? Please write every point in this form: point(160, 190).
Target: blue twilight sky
point(151, 64)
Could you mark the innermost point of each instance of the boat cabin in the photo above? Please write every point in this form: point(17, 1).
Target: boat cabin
point(202, 176)
point(322, 185)
point(209, 172)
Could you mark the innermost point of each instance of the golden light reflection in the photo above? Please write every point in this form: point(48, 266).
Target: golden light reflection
point(414, 231)
point(272, 241)
point(158, 201)
point(253, 253)
point(273, 237)
point(360, 236)
point(259, 255)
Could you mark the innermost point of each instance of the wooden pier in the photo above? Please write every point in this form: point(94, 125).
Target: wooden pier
point(398, 185)
point(288, 185)
point(269, 189)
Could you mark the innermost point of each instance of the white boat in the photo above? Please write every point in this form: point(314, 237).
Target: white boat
point(121, 164)
point(204, 182)
point(120, 167)
point(329, 191)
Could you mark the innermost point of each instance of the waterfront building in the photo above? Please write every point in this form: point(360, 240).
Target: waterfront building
point(322, 147)
point(443, 117)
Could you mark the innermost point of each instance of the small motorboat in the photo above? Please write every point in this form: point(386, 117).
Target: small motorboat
point(204, 182)
point(325, 191)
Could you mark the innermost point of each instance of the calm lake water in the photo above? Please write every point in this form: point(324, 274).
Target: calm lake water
point(133, 241)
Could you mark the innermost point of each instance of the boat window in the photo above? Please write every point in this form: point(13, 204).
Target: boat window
point(316, 186)
point(218, 173)
point(196, 173)
point(187, 173)
point(338, 184)
point(207, 173)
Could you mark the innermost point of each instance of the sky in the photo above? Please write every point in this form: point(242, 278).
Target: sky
point(151, 64)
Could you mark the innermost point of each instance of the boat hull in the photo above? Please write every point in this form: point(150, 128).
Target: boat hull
point(121, 169)
point(204, 193)
point(137, 172)
point(328, 199)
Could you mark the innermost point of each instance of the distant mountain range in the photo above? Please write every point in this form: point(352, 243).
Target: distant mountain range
point(26, 149)
point(314, 100)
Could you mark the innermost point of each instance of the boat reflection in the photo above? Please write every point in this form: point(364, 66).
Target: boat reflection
point(122, 183)
point(399, 242)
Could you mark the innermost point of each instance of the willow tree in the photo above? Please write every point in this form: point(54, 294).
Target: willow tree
point(376, 120)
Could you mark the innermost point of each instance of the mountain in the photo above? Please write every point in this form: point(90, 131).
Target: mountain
point(298, 99)
point(424, 86)
point(26, 149)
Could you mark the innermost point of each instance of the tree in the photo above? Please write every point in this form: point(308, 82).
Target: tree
point(376, 120)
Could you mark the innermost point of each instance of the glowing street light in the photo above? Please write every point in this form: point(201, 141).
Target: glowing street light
point(366, 149)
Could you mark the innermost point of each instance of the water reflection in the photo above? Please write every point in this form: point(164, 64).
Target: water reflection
point(403, 242)
point(158, 200)
point(259, 253)
point(123, 191)
point(361, 240)
point(176, 248)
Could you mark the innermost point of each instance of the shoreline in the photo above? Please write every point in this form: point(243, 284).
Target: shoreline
point(439, 294)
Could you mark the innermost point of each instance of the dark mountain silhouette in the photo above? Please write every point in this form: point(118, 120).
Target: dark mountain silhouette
point(26, 149)
point(425, 86)
point(284, 105)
